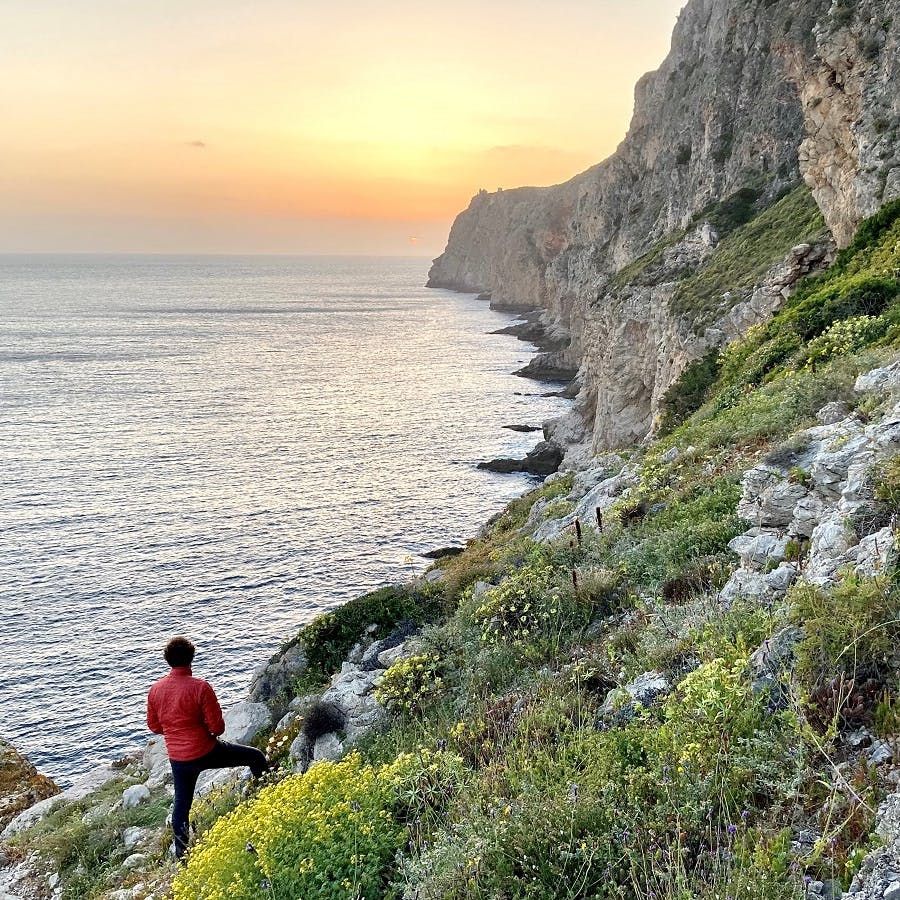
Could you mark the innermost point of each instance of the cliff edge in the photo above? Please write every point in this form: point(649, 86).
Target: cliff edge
point(675, 244)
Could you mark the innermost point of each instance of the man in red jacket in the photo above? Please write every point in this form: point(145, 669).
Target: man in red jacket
point(186, 712)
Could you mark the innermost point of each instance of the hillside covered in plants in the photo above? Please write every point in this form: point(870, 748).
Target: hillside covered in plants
point(674, 674)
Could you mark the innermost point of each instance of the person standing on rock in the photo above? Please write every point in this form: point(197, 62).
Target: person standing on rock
point(186, 712)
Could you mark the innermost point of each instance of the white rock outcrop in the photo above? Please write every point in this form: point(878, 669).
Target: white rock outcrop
point(245, 720)
point(822, 495)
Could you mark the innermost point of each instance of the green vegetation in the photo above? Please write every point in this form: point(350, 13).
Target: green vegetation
point(774, 379)
point(851, 635)
point(631, 274)
point(886, 478)
point(732, 212)
point(331, 834)
point(85, 845)
point(689, 392)
point(328, 637)
point(747, 253)
point(411, 684)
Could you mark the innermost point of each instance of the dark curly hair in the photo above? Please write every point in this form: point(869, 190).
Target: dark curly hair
point(179, 652)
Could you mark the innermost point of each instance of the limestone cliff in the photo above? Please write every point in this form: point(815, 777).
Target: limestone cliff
point(650, 258)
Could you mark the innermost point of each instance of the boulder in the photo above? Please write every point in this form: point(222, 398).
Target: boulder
point(762, 587)
point(876, 553)
point(834, 412)
point(273, 683)
point(776, 654)
point(503, 465)
point(807, 514)
point(327, 748)
point(398, 640)
point(287, 720)
point(156, 762)
point(601, 468)
point(768, 500)
point(832, 462)
point(216, 778)
point(300, 752)
point(884, 436)
point(442, 552)
point(886, 378)
point(132, 837)
point(21, 785)
point(644, 689)
point(245, 720)
point(352, 692)
point(830, 541)
point(82, 787)
point(598, 499)
point(758, 547)
point(544, 459)
point(135, 795)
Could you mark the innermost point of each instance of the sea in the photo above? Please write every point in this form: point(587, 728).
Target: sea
point(224, 447)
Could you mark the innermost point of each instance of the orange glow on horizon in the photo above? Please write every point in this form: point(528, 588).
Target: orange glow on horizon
point(293, 113)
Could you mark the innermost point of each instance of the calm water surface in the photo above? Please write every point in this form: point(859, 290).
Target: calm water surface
point(223, 447)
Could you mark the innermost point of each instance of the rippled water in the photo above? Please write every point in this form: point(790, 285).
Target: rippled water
point(222, 447)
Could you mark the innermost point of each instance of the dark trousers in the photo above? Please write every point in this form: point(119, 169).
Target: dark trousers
point(222, 756)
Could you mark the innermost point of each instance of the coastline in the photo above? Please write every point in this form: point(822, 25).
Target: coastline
point(299, 518)
point(267, 677)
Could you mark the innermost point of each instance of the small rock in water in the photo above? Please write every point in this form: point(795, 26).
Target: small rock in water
point(503, 465)
point(441, 552)
point(544, 459)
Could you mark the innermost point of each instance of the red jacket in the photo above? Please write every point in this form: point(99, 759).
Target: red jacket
point(186, 712)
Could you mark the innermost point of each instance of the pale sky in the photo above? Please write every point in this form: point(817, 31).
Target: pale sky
point(290, 126)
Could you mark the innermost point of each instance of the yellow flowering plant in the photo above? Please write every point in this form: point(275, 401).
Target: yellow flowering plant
point(523, 606)
point(409, 684)
point(330, 834)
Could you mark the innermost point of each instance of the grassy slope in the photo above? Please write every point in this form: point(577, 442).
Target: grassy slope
point(747, 253)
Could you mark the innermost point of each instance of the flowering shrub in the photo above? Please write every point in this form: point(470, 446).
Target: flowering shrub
point(410, 683)
point(709, 707)
point(842, 337)
point(279, 743)
point(329, 636)
point(328, 834)
point(523, 605)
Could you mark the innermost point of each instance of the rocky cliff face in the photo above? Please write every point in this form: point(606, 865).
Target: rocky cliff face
point(753, 97)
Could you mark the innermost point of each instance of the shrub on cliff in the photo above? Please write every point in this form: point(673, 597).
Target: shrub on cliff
point(851, 633)
point(663, 805)
point(746, 253)
point(688, 392)
point(411, 684)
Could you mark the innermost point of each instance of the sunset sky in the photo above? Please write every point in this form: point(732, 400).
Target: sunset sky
point(289, 126)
